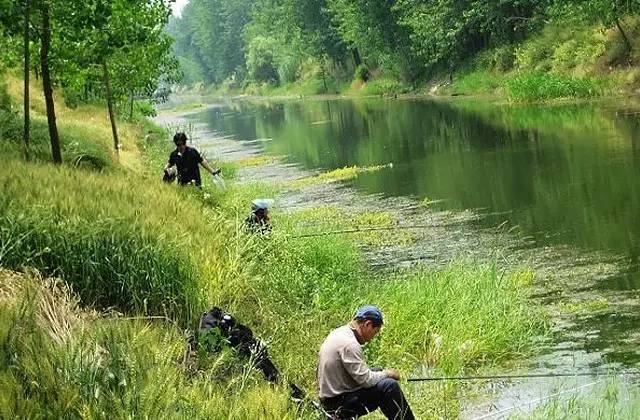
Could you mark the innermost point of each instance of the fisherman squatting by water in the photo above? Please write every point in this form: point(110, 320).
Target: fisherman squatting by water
point(347, 386)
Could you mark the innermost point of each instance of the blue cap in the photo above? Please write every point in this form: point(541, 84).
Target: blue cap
point(369, 312)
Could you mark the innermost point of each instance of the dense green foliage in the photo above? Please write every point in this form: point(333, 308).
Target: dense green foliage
point(236, 43)
point(116, 50)
point(127, 35)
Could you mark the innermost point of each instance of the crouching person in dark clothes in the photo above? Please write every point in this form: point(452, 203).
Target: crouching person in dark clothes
point(241, 339)
point(259, 221)
point(347, 386)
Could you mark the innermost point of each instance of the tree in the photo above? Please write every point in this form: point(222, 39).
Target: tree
point(27, 68)
point(125, 35)
point(445, 32)
point(47, 85)
point(371, 27)
point(609, 12)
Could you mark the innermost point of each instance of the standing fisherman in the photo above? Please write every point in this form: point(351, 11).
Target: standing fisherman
point(347, 386)
point(186, 160)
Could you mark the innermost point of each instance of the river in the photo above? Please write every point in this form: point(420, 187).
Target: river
point(561, 182)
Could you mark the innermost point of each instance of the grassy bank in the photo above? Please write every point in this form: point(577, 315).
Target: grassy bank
point(126, 243)
point(560, 62)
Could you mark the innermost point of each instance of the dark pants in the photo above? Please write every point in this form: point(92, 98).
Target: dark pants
point(385, 395)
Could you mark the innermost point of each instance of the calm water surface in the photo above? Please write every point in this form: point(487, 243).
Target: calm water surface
point(562, 175)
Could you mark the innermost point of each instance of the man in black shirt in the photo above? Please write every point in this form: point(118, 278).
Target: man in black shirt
point(186, 160)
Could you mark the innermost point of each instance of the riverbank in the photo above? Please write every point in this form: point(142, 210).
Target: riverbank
point(578, 285)
point(113, 242)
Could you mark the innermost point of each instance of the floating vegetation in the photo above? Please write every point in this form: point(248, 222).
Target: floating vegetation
point(341, 174)
point(257, 160)
point(585, 306)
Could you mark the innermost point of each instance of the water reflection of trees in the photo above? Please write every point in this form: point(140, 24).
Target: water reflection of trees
point(568, 173)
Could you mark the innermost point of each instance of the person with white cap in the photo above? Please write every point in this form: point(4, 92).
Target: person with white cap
point(259, 220)
point(347, 386)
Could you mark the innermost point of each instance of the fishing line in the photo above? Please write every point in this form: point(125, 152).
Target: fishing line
point(348, 231)
point(534, 401)
point(530, 376)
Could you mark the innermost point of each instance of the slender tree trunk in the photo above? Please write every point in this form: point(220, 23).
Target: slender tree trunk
point(356, 56)
point(46, 83)
point(27, 65)
point(324, 79)
point(131, 105)
point(112, 117)
point(624, 35)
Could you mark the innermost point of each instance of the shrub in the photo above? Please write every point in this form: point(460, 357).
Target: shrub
point(261, 60)
point(144, 109)
point(497, 59)
point(534, 55)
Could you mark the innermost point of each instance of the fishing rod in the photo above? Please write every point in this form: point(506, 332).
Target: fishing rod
point(348, 231)
point(530, 376)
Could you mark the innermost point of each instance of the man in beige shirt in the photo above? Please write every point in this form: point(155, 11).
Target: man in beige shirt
point(347, 386)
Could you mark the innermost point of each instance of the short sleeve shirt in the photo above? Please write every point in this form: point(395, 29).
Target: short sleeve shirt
point(187, 164)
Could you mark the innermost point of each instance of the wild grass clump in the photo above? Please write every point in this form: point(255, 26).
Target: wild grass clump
point(113, 368)
point(544, 86)
point(458, 318)
point(123, 243)
point(111, 263)
point(476, 82)
point(336, 175)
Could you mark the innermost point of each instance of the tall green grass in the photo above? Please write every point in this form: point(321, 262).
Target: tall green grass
point(544, 86)
point(476, 82)
point(109, 368)
point(384, 86)
point(122, 241)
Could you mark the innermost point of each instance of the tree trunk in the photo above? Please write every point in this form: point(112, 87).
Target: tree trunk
point(324, 79)
point(131, 105)
point(46, 84)
point(624, 36)
point(27, 61)
point(112, 117)
point(356, 56)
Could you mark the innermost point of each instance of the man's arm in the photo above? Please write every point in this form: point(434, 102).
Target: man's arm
point(354, 364)
point(169, 163)
point(206, 165)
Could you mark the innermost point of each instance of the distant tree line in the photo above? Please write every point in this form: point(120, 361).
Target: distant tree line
point(111, 50)
point(275, 41)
